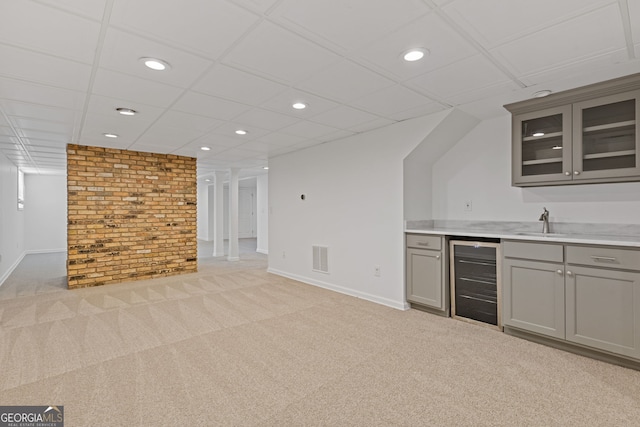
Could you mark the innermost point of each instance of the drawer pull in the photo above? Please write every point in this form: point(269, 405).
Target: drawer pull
point(603, 258)
point(559, 272)
point(569, 273)
point(423, 243)
point(437, 256)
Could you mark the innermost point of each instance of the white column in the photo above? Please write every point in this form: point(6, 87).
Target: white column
point(233, 215)
point(218, 214)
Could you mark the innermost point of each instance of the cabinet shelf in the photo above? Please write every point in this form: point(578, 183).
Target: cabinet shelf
point(545, 136)
point(609, 126)
point(542, 161)
point(609, 154)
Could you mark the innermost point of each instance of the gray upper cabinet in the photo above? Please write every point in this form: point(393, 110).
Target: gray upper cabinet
point(585, 135)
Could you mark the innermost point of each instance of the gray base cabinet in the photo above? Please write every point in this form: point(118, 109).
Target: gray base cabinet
point(603, 309)
point(586, 295)
point(425, 271)
point(533, 297)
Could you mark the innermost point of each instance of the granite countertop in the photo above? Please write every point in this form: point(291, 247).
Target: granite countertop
point(591, 234)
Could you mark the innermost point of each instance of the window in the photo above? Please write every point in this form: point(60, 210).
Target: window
point(20, 190)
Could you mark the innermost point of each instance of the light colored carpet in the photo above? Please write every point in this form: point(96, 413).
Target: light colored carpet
point(234, 345)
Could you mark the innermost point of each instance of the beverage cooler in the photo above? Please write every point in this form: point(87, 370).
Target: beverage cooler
point(475, 282)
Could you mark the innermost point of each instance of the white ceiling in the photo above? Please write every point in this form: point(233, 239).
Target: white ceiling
point(68, 64)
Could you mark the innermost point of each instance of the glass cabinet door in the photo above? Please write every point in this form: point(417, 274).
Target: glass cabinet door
point(542, 146)
point(606, 137)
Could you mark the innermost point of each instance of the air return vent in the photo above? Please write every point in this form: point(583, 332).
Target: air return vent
point(321, 259)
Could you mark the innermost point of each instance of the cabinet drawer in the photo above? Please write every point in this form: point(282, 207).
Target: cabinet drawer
point(627, 259)
point(424, 242)
point(537, 251)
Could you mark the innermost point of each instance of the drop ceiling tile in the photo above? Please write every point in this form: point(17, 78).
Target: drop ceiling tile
point(286, 57)
point(516, 18)
point(265, 119)
point(463, 76)
point(181, 120)
point(42, 125)
point(308, 130)
point(43, 143)
point(6, 131)
point(634, 17)
point(217, 140)
point(200, 26)
point(345, 81)
point(226, 82)
point(192, 150)
point(374, 124)
point(168, 138)
point(44, 69)
point(134, 89)
point(335, 136)
point(421, 110)
point(49, 136)
point(124, 126)
point(353, 23)
point(106, 106)
point(392, 100)
point(280, 139)
point(122, 52)
point(588, 36)
point(344, 117)
point(35, 93)
point(229, 129)
point(93, 9)
point(49, 30)
point(209, 106)
point(257, 5)
point(30, 111)
point(445, 46)
point(283, 102)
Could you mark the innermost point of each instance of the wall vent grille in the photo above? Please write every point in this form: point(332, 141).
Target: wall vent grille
point(321, 259)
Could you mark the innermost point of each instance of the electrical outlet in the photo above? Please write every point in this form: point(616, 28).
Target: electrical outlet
point(468, 206)
point(376, 271)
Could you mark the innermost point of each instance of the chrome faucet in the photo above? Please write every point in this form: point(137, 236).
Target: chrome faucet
point(545, 221)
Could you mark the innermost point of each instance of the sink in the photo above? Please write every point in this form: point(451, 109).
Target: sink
point(534, 234)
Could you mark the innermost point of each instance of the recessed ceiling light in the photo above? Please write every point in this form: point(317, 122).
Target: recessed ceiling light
point(110, 135)
point(414, 54)
point(155, 64)
point(207, 180)
point(538, 134)
point(265, 168)
point(126, 111)
point(542, 93)
point(205, 148)
point(241, 132)
point(299, 106)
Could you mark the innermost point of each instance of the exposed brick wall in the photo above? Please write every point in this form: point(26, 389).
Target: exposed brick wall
point(131, 215)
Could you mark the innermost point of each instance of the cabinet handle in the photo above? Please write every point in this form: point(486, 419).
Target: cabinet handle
point(423, 243)
point(437, 256)
point(576, 172)
point(559, 272)
point(567, 173)
point(597, 258)
point(569, 273)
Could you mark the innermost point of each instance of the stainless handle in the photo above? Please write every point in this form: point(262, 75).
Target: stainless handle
point(576, 172)
point(597, 258)
point(423, 243)
point(567, 173)
point(559, 272)
point(569, 273)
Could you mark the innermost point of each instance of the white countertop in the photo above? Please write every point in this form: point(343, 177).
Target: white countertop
point(585, 239)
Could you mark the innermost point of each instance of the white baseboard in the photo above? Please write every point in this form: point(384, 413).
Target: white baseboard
point(398, 305)
point(44, 251)
point(262, 251)
point(6, 275)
